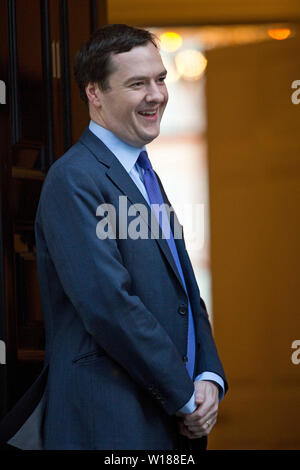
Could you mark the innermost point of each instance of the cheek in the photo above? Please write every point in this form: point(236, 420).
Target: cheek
point(128, 110)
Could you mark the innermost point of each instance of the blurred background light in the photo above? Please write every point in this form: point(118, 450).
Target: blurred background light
point(279, 34)
point(170, 41)
point(173, 74)
point(190, 64)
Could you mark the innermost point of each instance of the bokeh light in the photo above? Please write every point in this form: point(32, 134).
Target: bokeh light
point(170, 41)
point(190, 64)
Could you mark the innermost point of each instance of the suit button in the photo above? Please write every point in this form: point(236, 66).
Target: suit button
point(185, 358)
point(182, 310)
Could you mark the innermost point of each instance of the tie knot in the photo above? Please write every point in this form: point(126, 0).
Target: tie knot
point(144, 161)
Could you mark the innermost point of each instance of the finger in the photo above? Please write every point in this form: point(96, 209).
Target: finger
point(190, 434)
point(210, 416)
point(206, 392)
point(204, 428)
point(183, 430)
point(202, 425)
point(196, 432)
point(200, 392)
point(202, 414)
point(211, 425)
point(197, 436)
point(199, 397)
point(198, 415)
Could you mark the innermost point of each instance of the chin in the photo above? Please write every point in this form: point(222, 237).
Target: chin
point(148, 138)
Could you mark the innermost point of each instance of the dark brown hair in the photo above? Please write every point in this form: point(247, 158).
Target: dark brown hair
point(92, 61)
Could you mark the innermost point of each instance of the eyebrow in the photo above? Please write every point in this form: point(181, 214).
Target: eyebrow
point(137, 78)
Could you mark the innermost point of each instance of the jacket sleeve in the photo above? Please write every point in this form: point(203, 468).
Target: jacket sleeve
point(207, 357)
point(98, 284)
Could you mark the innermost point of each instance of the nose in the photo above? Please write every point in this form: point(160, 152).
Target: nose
point(156, 93)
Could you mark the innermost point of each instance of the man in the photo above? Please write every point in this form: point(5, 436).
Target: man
point(130, 355)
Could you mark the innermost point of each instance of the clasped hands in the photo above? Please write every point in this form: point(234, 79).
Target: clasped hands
point(201, 421)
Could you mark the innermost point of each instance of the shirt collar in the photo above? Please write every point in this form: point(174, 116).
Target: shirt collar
point(125, 153)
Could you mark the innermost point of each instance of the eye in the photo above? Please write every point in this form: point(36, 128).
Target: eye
point(162, 79)
point(136, 84)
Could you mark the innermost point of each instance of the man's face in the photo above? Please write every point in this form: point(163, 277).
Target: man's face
point(133, 105)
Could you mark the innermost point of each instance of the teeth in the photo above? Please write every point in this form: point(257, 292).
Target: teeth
point(148, 113)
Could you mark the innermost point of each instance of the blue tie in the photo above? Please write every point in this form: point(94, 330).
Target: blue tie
point(155, 197)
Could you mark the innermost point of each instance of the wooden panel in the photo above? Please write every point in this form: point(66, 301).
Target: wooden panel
point(253, 149)
point(85, 17)
point(80, 18)
point(30, 112)
point(30, 66)
point(191, 12)
point(57, 46)
point(261, 416)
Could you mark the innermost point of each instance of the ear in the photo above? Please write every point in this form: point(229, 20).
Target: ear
point(93, 94)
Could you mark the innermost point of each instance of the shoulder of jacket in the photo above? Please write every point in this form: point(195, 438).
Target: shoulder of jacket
point(78, 160)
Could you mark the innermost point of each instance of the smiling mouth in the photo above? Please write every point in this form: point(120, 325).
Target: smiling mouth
point(149, 115)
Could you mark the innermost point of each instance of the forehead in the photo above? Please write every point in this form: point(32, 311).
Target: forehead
point(140, 60)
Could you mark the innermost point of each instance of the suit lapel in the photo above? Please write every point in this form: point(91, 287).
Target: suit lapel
point(121, 179)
